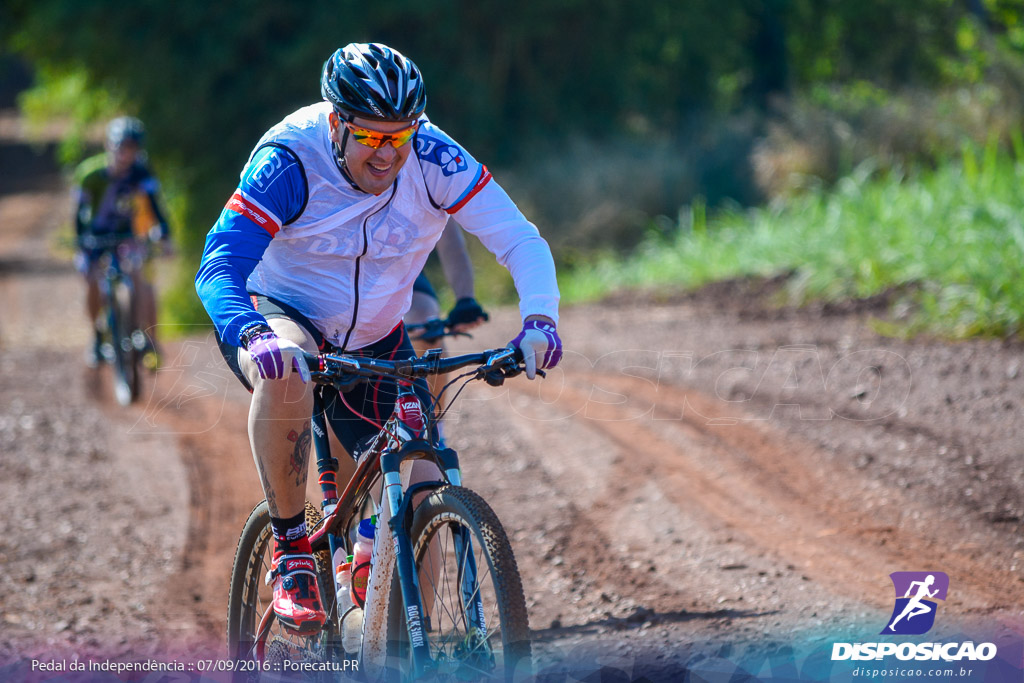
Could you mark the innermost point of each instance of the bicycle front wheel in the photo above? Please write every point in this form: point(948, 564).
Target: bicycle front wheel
point(126, 356)
point(474, 611)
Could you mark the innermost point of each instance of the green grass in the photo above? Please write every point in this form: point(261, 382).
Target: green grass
point(955, 235)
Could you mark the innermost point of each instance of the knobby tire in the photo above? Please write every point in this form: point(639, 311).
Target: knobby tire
point(507, 623)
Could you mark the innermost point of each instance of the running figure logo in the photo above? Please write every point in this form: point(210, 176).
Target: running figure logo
point(916, 596)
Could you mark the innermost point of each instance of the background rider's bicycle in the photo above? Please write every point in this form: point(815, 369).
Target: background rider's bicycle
point(434, 330)
point(445, 599)
point(124, 343)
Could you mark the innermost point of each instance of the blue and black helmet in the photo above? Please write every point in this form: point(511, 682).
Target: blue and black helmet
point(373, 81)
point(123, 129)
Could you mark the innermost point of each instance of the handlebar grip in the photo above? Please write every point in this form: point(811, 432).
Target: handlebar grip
point(313, 361)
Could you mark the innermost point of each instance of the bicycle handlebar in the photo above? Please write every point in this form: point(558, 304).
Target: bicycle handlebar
point(495, 365)
point(109, 241)
point(112, 242)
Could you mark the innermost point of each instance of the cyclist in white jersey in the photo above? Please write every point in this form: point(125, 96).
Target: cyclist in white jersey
point(318, 248)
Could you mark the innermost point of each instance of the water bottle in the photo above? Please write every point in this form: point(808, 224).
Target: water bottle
point(343, 586)
point(362, 552)
point(351, 616)
point(352, 631)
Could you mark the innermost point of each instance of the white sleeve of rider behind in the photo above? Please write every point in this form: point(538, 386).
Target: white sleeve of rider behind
point(455, 260)
point(499, 224)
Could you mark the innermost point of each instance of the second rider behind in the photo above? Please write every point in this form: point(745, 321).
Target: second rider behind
point(318, 248)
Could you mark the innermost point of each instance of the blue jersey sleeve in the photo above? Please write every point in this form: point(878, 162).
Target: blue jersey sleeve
point(271, 194)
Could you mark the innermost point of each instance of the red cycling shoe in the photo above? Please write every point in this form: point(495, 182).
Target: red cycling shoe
point(296, 594)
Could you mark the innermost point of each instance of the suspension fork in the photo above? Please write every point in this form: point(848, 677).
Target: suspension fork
point(409, 419)
point(408, 431)
point(466, 561)
point(399, 504)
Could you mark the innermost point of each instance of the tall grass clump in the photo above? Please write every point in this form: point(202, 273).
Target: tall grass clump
point(953, 236)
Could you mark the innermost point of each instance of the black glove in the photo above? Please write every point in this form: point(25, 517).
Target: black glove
point(466, 311)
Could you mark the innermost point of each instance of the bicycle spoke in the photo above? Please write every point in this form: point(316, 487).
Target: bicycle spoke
point(441, 590)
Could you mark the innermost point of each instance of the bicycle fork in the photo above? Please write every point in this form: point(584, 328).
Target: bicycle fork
point(408, 430)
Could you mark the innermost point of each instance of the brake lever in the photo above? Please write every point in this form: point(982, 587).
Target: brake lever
point(495, 373)
point(516, 371)
point(495, 377)
point(350, 382)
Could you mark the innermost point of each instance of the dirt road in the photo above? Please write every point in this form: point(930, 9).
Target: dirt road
point(700, 471)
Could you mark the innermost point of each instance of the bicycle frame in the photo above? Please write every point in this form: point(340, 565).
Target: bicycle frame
point(406, 435)
point(114, 275)
point(118, 295)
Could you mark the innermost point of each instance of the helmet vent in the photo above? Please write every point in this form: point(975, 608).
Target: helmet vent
point(393, 85)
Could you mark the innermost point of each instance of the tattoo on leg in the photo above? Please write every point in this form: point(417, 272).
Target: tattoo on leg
point(269, 493)
point(300, 455)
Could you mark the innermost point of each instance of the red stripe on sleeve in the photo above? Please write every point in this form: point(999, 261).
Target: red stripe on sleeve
point(250, 210)
point(485, 176)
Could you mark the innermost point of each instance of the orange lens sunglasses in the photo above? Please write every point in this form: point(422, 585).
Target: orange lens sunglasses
point(376, 139)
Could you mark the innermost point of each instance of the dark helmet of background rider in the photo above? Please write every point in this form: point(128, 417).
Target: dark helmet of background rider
point(125, 129)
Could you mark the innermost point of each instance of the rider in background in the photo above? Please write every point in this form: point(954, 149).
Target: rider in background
point(425, 309)
point(336, 212)
point(116, 197)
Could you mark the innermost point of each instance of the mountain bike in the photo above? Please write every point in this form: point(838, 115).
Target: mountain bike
point(124, 342)
point(445, 600)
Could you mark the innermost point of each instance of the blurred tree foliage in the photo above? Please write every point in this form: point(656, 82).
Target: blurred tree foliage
point(209, 76)
point(505, 78)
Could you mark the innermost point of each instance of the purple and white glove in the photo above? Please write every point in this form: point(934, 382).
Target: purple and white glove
point(272, 355)
point(540, 345)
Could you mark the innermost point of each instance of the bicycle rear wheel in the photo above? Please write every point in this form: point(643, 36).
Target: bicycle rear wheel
point(259, 655)
point(475, 614)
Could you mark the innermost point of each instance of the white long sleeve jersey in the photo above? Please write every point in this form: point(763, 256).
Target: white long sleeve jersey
point(297, 231)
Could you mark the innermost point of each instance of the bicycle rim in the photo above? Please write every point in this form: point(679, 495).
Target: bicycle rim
point(260, 655)
point(474, 612)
